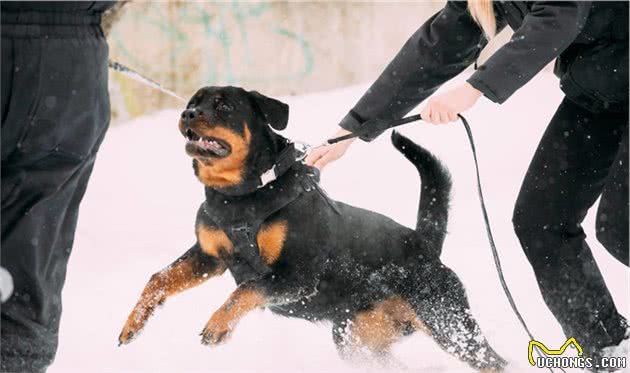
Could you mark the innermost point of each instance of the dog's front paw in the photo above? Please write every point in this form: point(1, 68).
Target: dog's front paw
point(133, 326)
point(217, 331)
point(128, 333)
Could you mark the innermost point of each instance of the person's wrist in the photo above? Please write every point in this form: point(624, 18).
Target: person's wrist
point(342, 132)
point(472, 91)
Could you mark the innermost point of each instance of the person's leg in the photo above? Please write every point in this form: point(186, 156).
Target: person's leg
point(564, 179)
point(53, 123)
point(612, 214)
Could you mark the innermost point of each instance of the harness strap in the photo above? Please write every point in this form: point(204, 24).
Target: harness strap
point(241, 217)
point(244, 234)
point(245, 246)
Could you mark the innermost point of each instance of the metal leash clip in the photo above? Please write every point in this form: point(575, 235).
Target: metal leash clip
point(302, 150)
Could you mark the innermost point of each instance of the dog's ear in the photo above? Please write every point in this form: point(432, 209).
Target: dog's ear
point(275, 112)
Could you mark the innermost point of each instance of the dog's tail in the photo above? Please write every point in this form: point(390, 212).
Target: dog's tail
point(434, 195)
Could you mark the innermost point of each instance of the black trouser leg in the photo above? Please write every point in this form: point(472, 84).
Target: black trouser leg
point(612, 214)
point(55, 112)
point(566, 176)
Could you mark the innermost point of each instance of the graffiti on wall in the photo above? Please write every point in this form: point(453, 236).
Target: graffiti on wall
point(217, 34)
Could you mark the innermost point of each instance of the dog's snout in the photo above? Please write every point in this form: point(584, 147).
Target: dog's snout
point(190, 114)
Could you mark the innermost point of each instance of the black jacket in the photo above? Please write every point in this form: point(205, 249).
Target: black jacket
point(53, 13)
point(57, 6)
point(590, 41)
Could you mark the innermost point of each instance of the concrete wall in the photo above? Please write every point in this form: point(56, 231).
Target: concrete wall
point(279, 48)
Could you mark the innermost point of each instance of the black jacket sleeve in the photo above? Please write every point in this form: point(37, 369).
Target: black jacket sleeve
point(547, 30)
point(439, 50)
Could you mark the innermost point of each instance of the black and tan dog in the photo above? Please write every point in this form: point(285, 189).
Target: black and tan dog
point(295, 251)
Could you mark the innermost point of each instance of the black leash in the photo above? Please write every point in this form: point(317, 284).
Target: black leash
point(377, 124)
point(495, 254)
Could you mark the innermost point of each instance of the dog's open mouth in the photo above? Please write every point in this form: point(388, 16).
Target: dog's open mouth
point(206, 146)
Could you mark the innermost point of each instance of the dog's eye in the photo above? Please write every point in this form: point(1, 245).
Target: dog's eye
point(222, 106)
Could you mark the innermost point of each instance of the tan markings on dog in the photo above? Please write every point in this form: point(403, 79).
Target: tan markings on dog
point(240, 303)
point(213, 241)
point(271, 239)
point(174, 279)
point(226, 171)
point(380, 327)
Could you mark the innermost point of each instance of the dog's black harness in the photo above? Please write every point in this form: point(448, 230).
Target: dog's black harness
point(241, 216)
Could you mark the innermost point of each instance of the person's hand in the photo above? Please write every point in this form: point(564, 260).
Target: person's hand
point(322, 155)
point(443, 108)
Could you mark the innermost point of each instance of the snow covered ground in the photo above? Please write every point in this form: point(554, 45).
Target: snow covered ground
point(138, 216)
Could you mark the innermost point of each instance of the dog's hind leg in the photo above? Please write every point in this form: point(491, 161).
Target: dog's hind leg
point(191, 269)
point(356, 351)
point(442, 306)
point(376, 329)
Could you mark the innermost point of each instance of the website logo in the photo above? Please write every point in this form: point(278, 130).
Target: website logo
point(548, 358)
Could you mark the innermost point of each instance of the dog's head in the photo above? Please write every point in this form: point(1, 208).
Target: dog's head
point(229, 134)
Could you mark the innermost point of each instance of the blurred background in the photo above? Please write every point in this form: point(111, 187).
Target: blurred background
point(279, 48)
